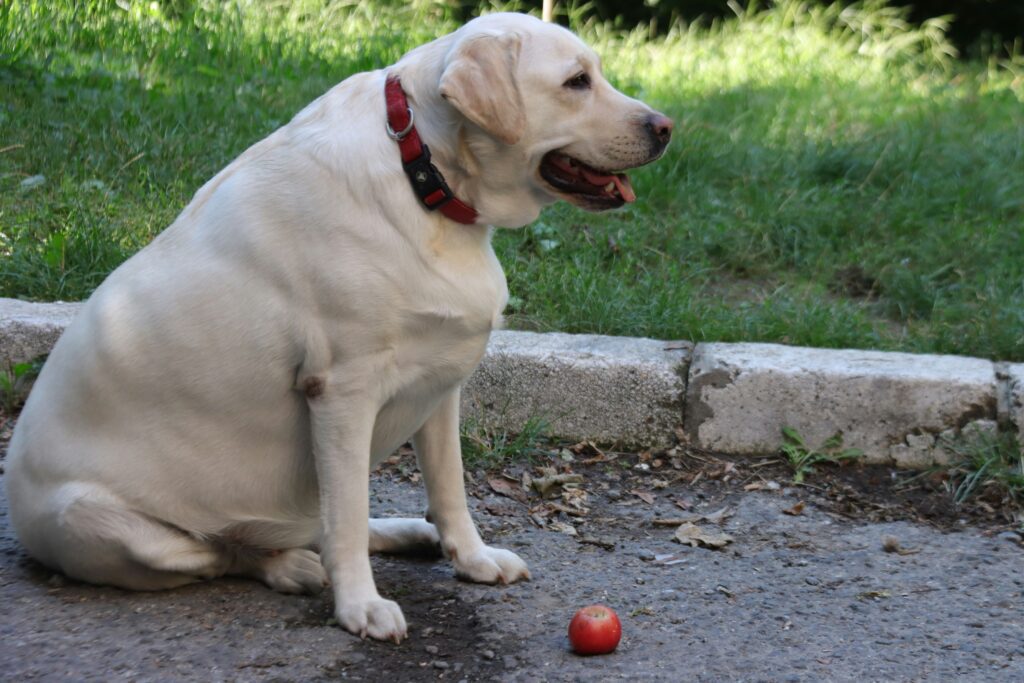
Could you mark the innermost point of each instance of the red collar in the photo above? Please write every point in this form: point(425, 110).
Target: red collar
point(427, 182)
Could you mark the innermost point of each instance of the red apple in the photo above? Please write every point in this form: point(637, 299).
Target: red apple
point(595, 630)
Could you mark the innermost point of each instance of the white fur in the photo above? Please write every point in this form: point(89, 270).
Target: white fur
point(217, 405)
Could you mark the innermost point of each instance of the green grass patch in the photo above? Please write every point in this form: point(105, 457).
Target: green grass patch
point(486, 447)
point(837, 179)
point(15, 383)
point(803, 458)
point(987, 467)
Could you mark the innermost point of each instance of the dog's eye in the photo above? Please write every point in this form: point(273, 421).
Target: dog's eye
point(580, 81)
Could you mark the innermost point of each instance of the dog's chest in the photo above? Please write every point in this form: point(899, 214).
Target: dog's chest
point(449, 315)
point(438, 348)
point(443, 339)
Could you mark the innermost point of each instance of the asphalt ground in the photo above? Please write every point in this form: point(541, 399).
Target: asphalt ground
point(834, 581)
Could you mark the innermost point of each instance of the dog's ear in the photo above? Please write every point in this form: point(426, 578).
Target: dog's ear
point(479, 80)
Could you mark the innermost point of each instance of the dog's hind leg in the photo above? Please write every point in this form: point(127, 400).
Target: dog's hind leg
point(93, 535)
point(295, 570)
point(405, 536)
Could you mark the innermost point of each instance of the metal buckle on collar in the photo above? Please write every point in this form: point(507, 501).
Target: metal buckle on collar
point(399, 136)
point(427, 182)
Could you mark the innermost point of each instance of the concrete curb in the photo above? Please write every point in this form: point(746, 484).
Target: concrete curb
point(29, 330)
point(607, 389)
point(730, 398)
point(1013, 379)
point(895, 407)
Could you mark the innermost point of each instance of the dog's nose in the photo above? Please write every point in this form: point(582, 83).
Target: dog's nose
point(660, 127)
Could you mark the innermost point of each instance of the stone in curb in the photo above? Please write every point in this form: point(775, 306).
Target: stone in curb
point(1015, 375)
point(29, 330)
point(608, 389)
point(891, 406)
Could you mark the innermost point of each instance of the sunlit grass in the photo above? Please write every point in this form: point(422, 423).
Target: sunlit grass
point(837, 177)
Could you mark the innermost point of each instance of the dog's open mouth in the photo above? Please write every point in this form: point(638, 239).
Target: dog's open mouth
point(572, 177)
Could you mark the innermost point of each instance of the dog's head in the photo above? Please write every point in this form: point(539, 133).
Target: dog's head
point(536, 121)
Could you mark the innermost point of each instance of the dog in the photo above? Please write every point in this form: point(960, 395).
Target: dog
point(217, 405)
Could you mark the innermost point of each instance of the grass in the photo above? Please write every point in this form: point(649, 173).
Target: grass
point(15, 382)
point(983, 466)
point(802, 458)
point(485, 447)
point(837, 178)
point(987, 467)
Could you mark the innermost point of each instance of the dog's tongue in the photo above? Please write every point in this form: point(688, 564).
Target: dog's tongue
point(620, 180)
point(625, 188)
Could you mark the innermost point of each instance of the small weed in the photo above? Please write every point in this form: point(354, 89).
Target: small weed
point(485, 447)
point(802, 458)
point(988, 467)
point(15, 382)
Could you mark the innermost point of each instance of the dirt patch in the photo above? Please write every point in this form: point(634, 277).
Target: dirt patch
point(872, 493)
point(884, 494)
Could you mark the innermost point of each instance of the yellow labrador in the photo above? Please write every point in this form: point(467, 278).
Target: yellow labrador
point(217, 405)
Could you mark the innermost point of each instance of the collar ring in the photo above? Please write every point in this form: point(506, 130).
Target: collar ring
point(400, 135)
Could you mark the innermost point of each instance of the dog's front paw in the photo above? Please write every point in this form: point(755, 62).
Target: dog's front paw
point(378, 618)
point(490, 565)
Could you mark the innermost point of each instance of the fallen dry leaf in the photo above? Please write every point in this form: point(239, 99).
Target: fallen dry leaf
point(549, 481)
point(542, 509)
point(891, 544)
point(572, 511)
point(563, 528)
point(874, 595)
point(604, 543)
point(593, 454)
point(672, 521)
point(796, 510)
point(693, 535)
point(508, 489)
point(716, 517)
point(587, 448)
point(501, 508)
point(575, 497)
point(645, 496)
